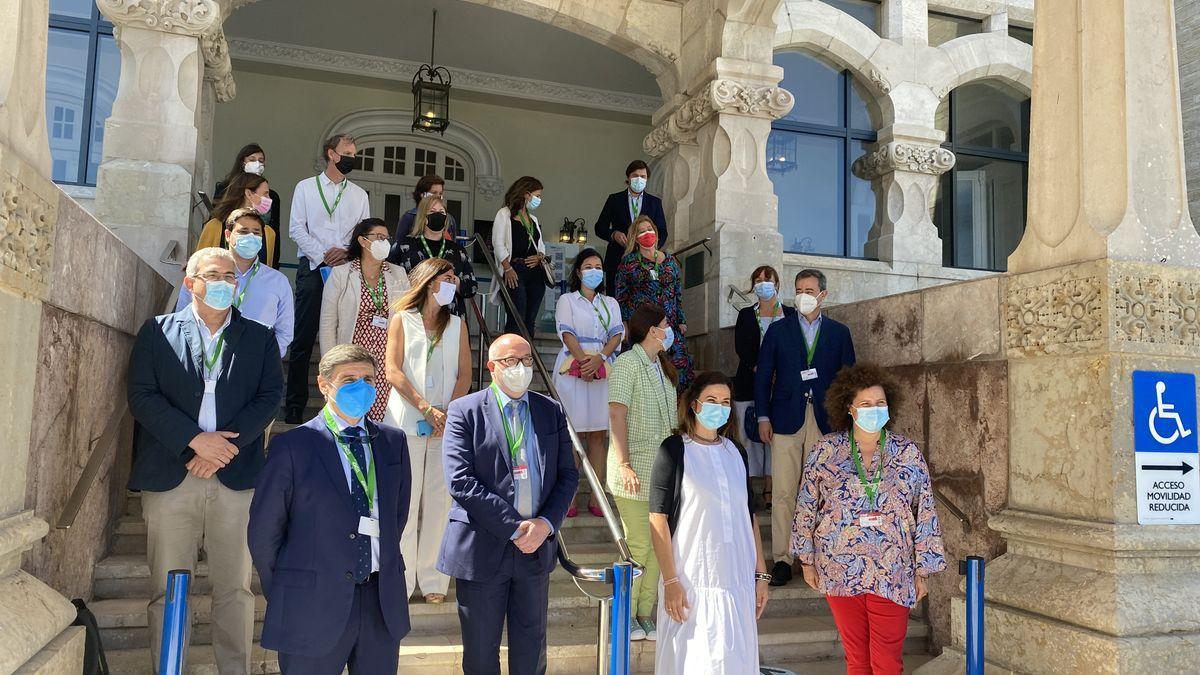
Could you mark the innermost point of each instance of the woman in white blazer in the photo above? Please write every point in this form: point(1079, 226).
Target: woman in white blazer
point(358, 298)
point(520, 249)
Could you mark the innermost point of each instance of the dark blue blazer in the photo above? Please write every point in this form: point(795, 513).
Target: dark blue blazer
point(782, 358)
point(479, 472)
point(303, 537)
point(614, 217)
point(166, 383)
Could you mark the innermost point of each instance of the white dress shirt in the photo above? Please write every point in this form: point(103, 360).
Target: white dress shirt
point(268, 301)
point(342, 425)
point(313, 228)
point(207, 419)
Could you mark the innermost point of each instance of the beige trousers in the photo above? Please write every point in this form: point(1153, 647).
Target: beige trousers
point(788, 452)
point(204, 513)
point(428, 513)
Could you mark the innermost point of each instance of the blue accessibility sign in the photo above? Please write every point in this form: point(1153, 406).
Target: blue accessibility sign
point(1164, 412)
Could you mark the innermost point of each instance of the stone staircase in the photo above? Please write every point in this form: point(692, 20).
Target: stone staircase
point(797, 631)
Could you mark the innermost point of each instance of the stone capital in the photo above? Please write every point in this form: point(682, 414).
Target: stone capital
point(182, 17)
point(904, 156)
point(718, 96)
point(218, 69)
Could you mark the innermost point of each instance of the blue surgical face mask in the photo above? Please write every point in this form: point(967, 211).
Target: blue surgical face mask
point(355, 398)
point(218, 294)
point(713, 415)
point(592, 278)
point(765, 290)
point(871, 420)
point(638, 184)
point(668, 338)
point(247, 246)
point(534, 202)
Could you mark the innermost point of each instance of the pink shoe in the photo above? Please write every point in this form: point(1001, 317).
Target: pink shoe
point(572, 512)
point(595, 511)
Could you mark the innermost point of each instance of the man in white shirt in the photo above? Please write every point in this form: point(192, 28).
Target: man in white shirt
point(325, 208)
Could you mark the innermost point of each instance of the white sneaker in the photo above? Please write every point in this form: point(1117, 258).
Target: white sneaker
point(636, 634)
point(649, 628)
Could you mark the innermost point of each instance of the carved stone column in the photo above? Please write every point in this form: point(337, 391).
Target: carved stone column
point(145, 182)
point(904, 174)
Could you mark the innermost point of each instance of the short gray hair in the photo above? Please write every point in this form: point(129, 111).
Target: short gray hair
point(340, 355)
point(193, 263)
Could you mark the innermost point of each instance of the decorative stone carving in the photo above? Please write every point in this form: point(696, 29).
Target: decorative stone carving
point(218, 69)
point(720, 96)
point(773, 102)
point(489, 187)
point(1062, 312)
point(185, 17)
point(881, 83)
point(900, 156)
point(1152, 310)
point(26, 235)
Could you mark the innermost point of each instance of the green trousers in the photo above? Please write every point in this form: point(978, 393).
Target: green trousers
point(635, 518)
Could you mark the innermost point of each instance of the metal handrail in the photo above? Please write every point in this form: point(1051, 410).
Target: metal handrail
point(958, 513)
point(700, 242)
point(577, 572)
point(485, 336)
point(742, 295)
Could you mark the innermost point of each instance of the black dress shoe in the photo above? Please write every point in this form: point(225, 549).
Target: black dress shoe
point(293, 416)
point(781, 574)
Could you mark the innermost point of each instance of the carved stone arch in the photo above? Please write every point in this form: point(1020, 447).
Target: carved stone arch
point(987, 56)
point(391, 123)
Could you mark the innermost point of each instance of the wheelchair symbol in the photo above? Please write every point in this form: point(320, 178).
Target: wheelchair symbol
point(1166, 411)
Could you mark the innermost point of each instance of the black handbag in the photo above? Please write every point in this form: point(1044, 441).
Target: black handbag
point(750, 425)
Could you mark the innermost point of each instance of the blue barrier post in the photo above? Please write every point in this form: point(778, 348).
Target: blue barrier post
point(619, 644)
point(173, 647)
point(972, 567)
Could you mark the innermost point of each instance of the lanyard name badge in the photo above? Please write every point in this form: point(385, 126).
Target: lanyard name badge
point(758, 320)
point(429, 251)
point(515, 440)
point(809, 373)
point(210, 385)
point(338, 200)
point(237, 302)
point(872, 518)
point(527, 222)
point(635, 206)
point(604, 319)
point(433, 343)
point(366, 524)
point(378, 295)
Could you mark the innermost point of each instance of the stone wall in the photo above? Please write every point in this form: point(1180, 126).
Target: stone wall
point(1187, 31)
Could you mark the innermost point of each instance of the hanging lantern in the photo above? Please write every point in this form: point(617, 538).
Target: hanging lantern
point(566, 234)
point(431, 92)
point(781, 153)
point(580, 231)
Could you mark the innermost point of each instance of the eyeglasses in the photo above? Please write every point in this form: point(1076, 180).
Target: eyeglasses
point(377, 237)
point(211, 276)
point(511, 361)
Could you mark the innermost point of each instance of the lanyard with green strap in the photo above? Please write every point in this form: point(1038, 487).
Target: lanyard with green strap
point(237, 302)
point(321, 191)
point(528, 223)
point(216, 355)
point(635, 205)
point(871, 487)
point(428, 251)
point(367, 482)
point(758, 322)
point(811, 348)
point(514, 442)
point(606, 318)
point(433, 343)
point(378, 293)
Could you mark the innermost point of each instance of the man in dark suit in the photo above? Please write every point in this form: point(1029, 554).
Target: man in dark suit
point(204, 383)
point(508, 462)
point(621, 209)
point(799, 357)
point(325, 530)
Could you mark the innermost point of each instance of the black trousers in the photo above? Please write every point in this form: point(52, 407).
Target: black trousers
point(519, 595)
point(528, 295)
point(309, 287)
point(366, 645)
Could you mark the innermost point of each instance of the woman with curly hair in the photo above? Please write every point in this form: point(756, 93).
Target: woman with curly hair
point(866, 531)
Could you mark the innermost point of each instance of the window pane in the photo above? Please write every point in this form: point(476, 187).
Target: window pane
point(862, 206)
point(108, 73)
point(1023, 34)
point(859, 117)
point(986, 116)
point(866, 11)
point(816, 86)
point(988, 215)
point(74, 8)
point(944, 28)
point(66, 76)
point(809, 192)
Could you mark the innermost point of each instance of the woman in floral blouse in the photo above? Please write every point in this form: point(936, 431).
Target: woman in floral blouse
point(866, 529)
point(648, 276)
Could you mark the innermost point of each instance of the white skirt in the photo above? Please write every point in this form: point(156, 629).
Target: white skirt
point(586, 403)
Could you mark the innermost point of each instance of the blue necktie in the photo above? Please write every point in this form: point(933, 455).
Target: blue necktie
point(362, 565)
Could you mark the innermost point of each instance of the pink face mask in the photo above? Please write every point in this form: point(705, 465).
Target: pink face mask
point(263, 205)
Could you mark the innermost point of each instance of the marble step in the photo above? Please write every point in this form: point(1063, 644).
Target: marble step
point(806, 644)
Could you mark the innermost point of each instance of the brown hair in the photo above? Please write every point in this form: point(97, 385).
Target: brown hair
point(421, 279)
point(238, 214)
point(687, 416)
point(234, 196)
point(423, 207)
point(514, 199)
point(634, 166)
point(425, 184)
point(812, 274)
point(644, 318)
point(239, 162)
point(331, 143)
point(767, 272)
point(846, 386)
point(632, 242)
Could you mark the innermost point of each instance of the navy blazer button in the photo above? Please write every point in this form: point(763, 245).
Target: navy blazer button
point(349, 575)
point(351, 535)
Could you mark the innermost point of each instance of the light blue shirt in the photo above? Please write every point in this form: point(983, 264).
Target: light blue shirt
point(268, 301)
point(342, 425)
point(809, 328)
point(517, 412)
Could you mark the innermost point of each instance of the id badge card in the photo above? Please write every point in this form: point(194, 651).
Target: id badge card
point(210, 386)
point(521, 472)
point(379, 321)
point(808, 375)
point(870, 519)
point(368, 526)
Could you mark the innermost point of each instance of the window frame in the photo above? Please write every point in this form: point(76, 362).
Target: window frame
point(95, 28)
point(848, 136)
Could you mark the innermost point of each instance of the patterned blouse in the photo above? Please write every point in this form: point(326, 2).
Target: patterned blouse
point(638, 384)
point(853, 560)
point(639, 282)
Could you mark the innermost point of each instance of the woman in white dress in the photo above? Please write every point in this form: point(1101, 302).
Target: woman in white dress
point(428, 364)
point(589, 325)
point(714, 578)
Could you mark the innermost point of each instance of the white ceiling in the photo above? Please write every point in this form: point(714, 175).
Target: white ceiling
point(469, 36)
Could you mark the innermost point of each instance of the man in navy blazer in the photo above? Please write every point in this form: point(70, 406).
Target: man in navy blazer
point(799, 357)
point(204, 383)
point(621, 209)
point(325, 530)
point(507, 456)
